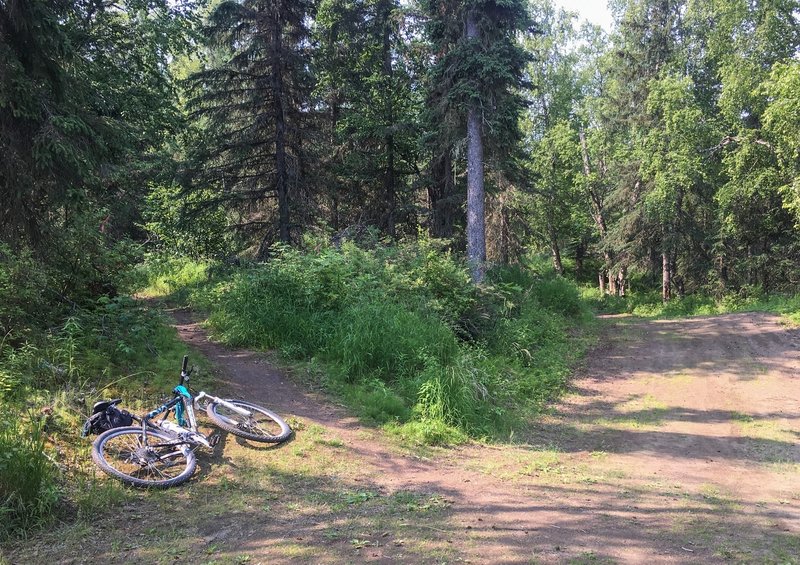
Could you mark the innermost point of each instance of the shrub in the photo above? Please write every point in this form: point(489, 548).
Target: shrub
point(22, 301)
point(402, 332)
point(559, 295)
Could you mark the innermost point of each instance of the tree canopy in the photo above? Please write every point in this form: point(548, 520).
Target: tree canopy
point(664, 151)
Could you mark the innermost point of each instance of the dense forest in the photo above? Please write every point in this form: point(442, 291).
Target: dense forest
point(356, 180)
point(665, 151)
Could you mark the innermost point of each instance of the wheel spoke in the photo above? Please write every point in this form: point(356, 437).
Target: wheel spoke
point(260, 425)
point(124, 455)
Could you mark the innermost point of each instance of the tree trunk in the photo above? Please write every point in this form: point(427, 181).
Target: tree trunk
point(555, 250)
point(476, 220)
point(598, 215)
point(442, 197)
point(666, 278)
point(622, 280)
point(595, 199)
point(281, 171)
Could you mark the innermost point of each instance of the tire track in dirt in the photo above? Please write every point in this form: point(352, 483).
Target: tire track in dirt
point(662, 431)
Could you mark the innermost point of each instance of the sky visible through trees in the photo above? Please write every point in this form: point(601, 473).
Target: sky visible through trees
point(661, 151)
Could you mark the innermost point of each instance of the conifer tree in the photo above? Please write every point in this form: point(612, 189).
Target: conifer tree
point(254, 109)
point(365, 84)
point(86, 104)
point(478, 71)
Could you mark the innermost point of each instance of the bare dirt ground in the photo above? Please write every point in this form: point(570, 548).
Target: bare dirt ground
point(677, 444)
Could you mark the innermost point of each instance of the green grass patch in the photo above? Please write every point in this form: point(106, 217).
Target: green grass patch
point(28, 486)
point(399, 331)
point(49, 379)
point(650, 304)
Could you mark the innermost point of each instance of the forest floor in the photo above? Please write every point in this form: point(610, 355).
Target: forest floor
point(678, 443)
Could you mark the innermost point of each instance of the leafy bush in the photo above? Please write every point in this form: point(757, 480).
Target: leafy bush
point(40, 289)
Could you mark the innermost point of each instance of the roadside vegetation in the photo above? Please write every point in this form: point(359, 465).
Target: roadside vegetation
point(187, 152)
point(58, 355)
point(398, 331)
point(651, 305)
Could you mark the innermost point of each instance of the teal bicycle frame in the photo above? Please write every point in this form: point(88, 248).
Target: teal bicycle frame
point(184, 404)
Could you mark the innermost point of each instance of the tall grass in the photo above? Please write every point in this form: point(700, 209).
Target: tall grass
point(48, 382)
point(401, 332)
point(28, 487)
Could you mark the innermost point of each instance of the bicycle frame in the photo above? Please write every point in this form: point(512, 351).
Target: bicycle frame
point(184, 404)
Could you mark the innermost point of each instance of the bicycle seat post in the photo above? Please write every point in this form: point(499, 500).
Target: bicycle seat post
point(184, 374)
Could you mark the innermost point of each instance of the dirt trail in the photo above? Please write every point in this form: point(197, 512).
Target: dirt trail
point(678, 444)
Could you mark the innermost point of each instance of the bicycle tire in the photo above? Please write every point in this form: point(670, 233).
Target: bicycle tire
point(264, 426)
point(114, 452)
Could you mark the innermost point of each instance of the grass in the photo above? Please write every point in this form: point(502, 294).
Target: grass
point(399, 332)
point(650, 304)
point(243, 501)
point(114, 347)
point(28, 489)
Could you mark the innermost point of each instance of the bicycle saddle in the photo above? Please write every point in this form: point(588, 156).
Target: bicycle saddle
point(103, 405)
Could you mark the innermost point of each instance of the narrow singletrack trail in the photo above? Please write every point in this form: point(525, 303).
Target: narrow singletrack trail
point(677, 444)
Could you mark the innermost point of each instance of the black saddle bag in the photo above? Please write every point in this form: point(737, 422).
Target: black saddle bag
point(105, 416)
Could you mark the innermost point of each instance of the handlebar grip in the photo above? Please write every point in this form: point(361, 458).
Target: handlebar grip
point(185, 363)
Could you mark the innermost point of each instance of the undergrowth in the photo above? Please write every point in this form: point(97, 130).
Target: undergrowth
point(398, 331)
point(650, 304)
point(49, 378)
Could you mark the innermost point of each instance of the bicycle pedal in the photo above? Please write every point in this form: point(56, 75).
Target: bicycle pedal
point(214, 440)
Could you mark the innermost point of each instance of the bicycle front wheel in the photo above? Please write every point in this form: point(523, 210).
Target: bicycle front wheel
point(261, 425)
point(145, 459)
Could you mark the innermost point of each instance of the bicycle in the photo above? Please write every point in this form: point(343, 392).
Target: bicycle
point(161, 454)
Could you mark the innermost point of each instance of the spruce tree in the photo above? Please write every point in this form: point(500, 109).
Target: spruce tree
point(86, 105)
point(366, 88)
point(254, 109)
point(478, 71)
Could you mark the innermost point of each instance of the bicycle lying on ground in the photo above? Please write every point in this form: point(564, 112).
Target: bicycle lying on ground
point(160, 453)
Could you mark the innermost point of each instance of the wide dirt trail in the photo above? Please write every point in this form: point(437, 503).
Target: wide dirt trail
point(677, 444)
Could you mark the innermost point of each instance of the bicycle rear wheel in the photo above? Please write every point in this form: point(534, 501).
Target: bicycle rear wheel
point(146, 459)
point(262, 425)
